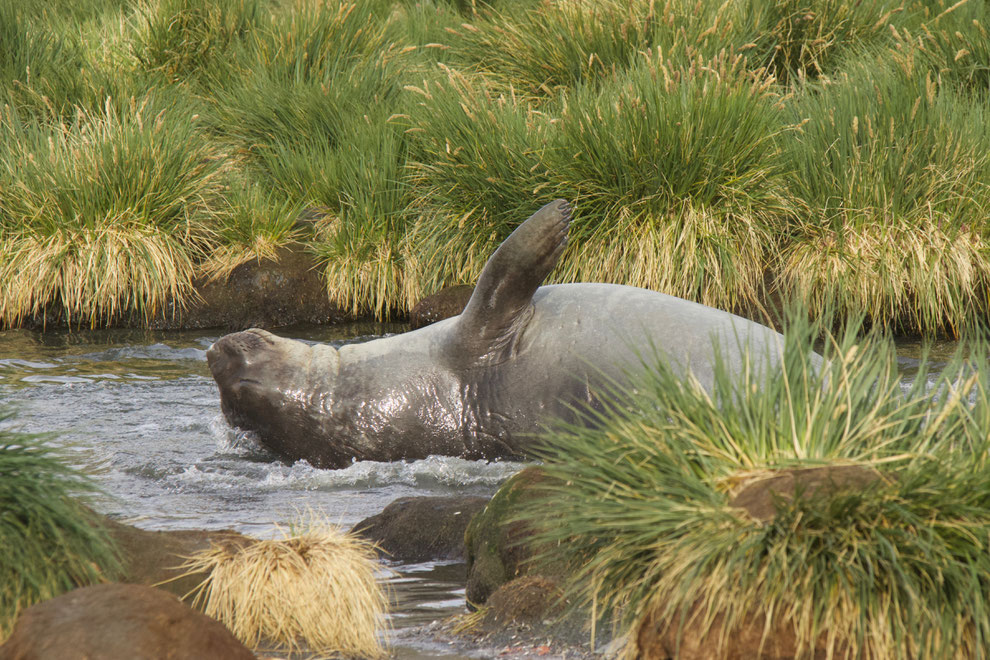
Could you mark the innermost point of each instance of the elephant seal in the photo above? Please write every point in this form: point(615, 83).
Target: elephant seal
point(478, 385)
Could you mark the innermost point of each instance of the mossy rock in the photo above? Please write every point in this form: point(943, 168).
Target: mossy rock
point(498, 546)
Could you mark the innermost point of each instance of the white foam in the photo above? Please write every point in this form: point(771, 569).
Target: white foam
point(431, 471)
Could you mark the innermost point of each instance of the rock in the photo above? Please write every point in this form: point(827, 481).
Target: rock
point(417, 529)
point(266, 294)
point(497, 547)
point(441, 305)
point(760, 497)
point(111, 621)
point(693, 642)
point(529, 600)
point(153, 558)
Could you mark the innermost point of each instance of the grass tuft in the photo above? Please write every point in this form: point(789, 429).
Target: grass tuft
point(253, 227)
point(681, 156)
point(52, 543)
point(892, 567)
point(182, 38)
point(103, 215)
point(313, 590)
point(40, 68)
point(893, 168)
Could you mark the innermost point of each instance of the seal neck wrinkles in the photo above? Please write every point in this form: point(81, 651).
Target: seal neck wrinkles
point(503, 347)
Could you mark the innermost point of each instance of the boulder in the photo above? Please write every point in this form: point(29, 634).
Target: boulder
point(440, 305)
point(498, 547)
point(417, 529)
point(111, 621)
point(761, 496)
point(154, 558)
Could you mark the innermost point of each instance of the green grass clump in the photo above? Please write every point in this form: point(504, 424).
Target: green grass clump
point(548, 47)
point(39, 68)
point(677, 177)
point(894, 170)
point(893, 567)
point(51, 542)
point(105, 214)
point(253, 226)
point(955, 42)
point(476, 170)
point(800, 39)
point(182, 38)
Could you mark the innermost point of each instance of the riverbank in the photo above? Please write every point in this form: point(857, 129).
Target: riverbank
point(832, 153)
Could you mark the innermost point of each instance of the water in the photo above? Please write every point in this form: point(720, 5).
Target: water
point(139, 411)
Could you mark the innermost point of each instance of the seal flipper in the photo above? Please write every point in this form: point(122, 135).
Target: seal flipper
point(499, 306)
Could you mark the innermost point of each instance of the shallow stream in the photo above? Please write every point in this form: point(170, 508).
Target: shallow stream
point(140, 412)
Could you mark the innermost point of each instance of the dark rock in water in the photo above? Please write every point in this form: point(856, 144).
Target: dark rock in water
point(441, 305)
point(498, 547)
point(154, 558)
point(114, 621)
point(416, 529)
point(267, 294)
point(760, 498)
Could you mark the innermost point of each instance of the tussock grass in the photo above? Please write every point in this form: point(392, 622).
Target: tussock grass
point(916, 278)
point(885, 152)
point(807, 38)
point(895, 569)
point(52, 543)
point(182, 38)
point(474, 149)
point(315, 590)
point(476, 165)
point(714, 258)
point(254, 226)
point(39, 67)
point(308, 114)
point(683, 158)
point(102, 215)
point(314, 41)
point(547, 47)
point(729, 138)
point(955, 42)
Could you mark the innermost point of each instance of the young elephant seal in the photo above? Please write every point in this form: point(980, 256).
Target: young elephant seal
point(478, 385)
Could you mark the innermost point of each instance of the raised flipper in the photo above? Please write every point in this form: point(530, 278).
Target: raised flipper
point(500, 305)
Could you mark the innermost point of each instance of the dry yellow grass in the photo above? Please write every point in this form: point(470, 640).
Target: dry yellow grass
point(916, 276)
point(370, 279)
point(314, 591)
point(714, 259)
point(93, 273)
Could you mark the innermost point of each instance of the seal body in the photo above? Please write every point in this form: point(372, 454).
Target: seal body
point(482, 384)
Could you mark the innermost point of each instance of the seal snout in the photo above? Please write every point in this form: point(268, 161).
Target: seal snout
point(230, 355)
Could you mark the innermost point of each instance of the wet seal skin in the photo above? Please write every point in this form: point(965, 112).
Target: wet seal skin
point(480, 385)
